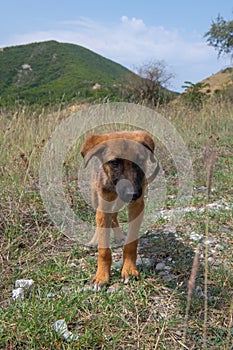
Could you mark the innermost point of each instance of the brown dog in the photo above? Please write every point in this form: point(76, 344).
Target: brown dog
point(119, 179)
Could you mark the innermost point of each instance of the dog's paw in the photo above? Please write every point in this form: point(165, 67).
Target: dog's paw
point(99, 286)
point(129, 270)
point(100, 280)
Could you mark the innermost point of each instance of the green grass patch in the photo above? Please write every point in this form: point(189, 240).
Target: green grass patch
point(147, 314)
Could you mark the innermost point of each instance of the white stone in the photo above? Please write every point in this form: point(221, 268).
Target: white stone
point(18, 293)
point(160, 266)
point(25, 284)
point(146, 262)
point(61, 329)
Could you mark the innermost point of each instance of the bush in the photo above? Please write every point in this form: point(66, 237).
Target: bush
point(194, 96)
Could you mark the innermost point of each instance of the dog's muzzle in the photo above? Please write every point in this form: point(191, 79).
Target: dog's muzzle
point(126, 191)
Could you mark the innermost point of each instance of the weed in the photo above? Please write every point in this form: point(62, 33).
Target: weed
point(153, 313)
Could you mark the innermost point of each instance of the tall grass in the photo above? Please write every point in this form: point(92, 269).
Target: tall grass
point(212, 123)
point(30, 245)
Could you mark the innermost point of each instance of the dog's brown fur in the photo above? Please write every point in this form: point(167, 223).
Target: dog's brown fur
point(123, 158)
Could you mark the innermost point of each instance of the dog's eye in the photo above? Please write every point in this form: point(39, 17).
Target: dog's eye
point(115, 163)
point(136, 166)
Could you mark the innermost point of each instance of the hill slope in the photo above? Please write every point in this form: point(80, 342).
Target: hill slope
point(219, 81)
point(47, 71)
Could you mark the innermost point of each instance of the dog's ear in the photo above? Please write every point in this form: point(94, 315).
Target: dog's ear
point(146, 140)
point(91, 147)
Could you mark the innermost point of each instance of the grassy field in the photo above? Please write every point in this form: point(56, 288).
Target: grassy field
point(185, 303)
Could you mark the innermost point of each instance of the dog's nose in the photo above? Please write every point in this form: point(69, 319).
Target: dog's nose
point(126, 192)
point(127, 197)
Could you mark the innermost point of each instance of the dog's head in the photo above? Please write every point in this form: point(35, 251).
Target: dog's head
point(123, 156)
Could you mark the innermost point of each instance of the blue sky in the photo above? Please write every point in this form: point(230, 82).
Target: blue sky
point(129, 32)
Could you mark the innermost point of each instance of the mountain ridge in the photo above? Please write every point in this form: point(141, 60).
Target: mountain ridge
point(51, 71)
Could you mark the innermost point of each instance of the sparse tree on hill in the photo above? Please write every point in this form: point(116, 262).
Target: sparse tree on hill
point(220, 36)
point(149, 85)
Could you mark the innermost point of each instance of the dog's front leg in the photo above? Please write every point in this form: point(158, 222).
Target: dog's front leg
point(136, 210)
point(119, 236)
point(103, 222)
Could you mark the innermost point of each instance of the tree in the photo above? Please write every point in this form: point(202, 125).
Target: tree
point(220, 36)
point(149, 85)
point(195, 94)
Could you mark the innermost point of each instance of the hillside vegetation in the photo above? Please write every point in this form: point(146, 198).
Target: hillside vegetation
point(50, 71)
point(220, 81)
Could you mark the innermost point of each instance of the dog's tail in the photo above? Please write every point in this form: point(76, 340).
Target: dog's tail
point(154, 174)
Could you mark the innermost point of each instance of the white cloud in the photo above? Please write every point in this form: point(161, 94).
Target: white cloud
point(131, 42)
point(134, 23)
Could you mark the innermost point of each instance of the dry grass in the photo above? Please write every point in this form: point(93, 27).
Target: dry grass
point(192, 311)
point(220, 80)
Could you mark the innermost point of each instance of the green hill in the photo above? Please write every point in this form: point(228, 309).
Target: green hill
point(50, 71)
